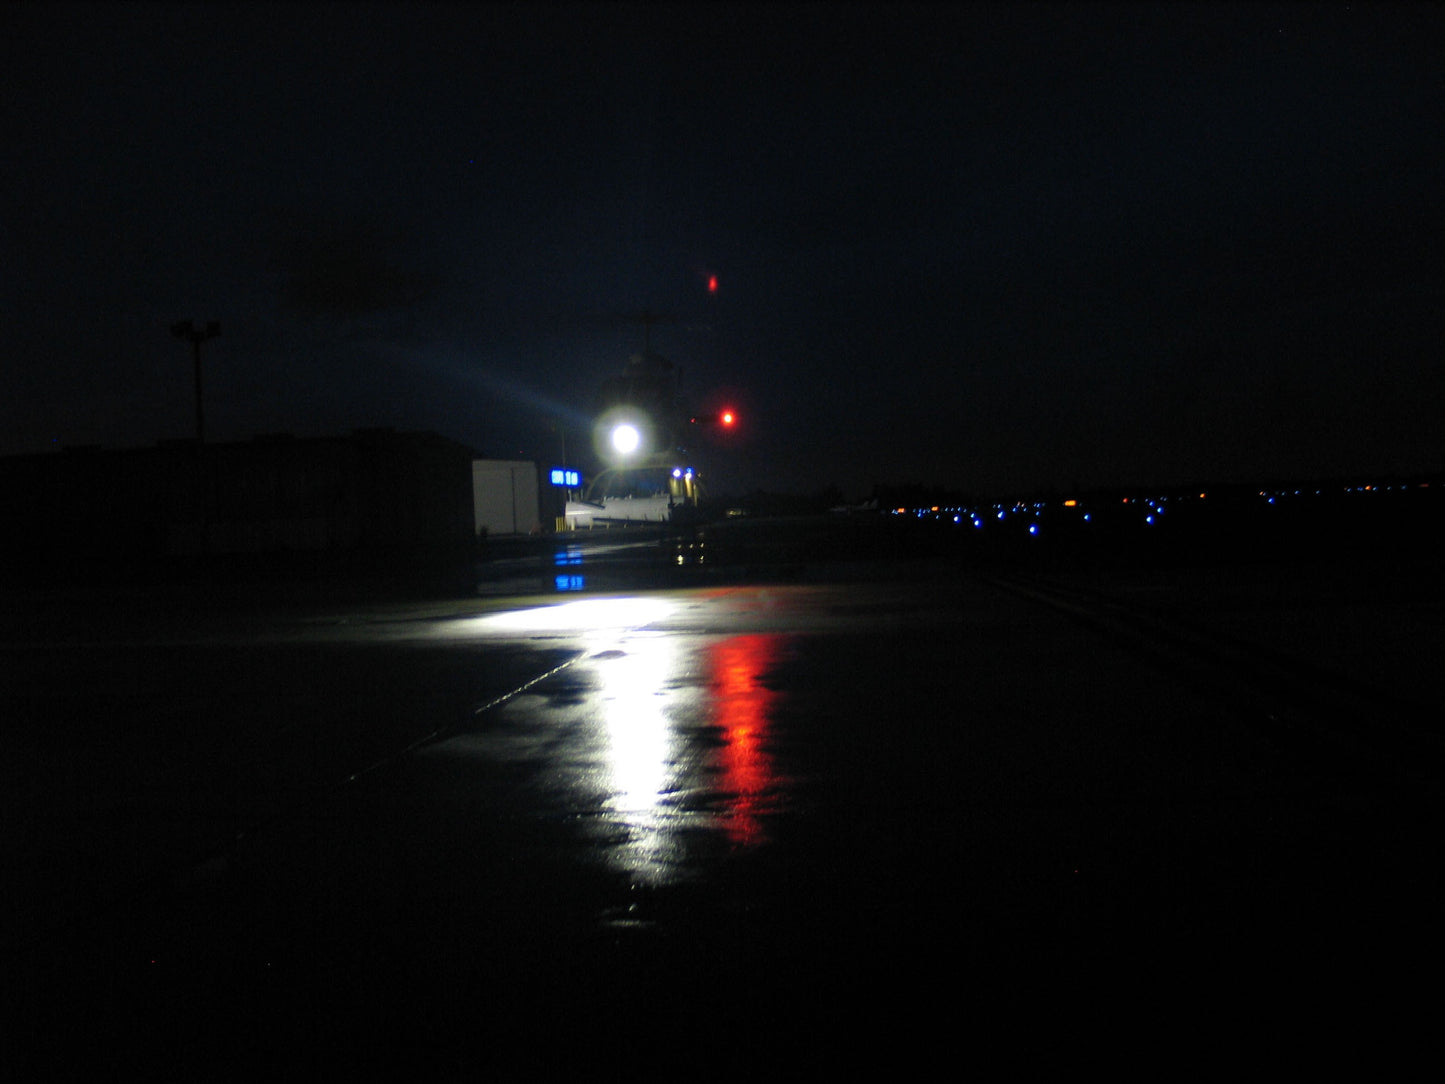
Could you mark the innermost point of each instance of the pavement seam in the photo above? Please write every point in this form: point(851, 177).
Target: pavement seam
point(1365, 719)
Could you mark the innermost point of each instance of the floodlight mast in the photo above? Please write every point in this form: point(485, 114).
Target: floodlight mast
point(189, 329)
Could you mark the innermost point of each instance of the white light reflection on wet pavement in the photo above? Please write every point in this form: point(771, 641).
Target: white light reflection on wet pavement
point(641, 766)
point(924, 790)
point(660, 741)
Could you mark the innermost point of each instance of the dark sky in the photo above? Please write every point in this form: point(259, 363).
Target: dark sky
point(990, 247)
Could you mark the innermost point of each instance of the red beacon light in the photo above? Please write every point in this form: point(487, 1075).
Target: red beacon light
point(726, 418)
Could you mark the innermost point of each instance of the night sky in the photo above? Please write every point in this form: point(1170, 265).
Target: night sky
point(993, 248)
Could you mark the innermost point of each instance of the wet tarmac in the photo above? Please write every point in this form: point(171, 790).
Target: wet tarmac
point(627, 811)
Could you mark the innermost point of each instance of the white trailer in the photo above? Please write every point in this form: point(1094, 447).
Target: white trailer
point(505, 497)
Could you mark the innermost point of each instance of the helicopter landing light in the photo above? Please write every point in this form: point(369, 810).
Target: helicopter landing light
point(625, 439)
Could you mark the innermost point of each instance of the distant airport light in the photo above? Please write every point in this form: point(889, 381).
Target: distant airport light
point(1071, 503)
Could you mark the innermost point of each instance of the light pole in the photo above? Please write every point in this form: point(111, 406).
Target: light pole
point(189, 329)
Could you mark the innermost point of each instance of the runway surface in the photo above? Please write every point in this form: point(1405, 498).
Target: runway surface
point(619, 808)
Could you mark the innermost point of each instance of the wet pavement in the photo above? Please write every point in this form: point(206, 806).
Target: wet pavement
point(627, 810)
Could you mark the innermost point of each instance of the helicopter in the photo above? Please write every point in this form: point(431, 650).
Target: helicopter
point(639, 431)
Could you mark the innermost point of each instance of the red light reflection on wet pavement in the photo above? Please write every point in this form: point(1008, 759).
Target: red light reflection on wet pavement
point(744, 706)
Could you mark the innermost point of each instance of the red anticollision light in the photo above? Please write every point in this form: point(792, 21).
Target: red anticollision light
point(712, 284)
point(727, 417)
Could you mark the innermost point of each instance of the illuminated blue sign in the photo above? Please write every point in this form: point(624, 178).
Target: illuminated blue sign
point(565, 476)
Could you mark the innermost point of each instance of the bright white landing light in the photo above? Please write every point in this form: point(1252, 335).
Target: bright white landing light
point(626, 438)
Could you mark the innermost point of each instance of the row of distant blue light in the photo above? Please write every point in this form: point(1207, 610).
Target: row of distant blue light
point(1270, 495)
point(561, 476)
point(1036, 507)
point(1154, 505)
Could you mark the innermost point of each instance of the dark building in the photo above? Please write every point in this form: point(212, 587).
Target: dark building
point(372, 492)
